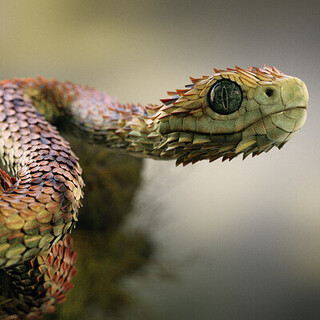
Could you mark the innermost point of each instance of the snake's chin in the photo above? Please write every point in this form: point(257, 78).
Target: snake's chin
point(285, 124)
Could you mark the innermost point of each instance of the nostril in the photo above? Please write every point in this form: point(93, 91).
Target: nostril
point(269, 92)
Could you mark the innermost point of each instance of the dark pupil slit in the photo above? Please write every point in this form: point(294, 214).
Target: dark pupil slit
point(225, 97)
point(269, 92)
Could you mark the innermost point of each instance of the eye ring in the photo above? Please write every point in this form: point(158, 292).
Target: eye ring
point(225, 97)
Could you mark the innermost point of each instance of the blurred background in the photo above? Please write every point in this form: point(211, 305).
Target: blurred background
point(223, 241)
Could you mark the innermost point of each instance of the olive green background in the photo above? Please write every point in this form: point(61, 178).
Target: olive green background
point(224, 241)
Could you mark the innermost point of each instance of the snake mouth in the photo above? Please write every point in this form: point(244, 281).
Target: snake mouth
point(298, 107)
point(277, 126)
point(289, 120)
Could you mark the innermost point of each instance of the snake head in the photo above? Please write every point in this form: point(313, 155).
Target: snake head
point(232, 112)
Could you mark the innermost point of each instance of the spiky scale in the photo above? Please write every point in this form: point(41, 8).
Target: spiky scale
point(200, 139)
point(244, 144)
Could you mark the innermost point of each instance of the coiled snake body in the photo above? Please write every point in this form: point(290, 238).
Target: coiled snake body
point(231, 112)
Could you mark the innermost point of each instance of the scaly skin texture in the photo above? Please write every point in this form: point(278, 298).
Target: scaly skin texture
point(40, 207)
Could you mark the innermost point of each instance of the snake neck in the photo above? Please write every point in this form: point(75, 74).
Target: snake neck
point(142, 131)
point(93, 114)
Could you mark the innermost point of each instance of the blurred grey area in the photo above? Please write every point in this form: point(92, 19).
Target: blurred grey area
point(234, 240)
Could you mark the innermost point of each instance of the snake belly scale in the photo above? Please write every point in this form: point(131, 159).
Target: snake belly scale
point(232, 112)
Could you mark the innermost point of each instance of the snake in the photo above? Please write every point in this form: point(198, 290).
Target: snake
point(232, 112)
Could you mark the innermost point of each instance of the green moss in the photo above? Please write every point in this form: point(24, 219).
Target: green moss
point(103, 262)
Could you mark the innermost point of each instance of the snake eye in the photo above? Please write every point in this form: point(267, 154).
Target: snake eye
point(225, 97)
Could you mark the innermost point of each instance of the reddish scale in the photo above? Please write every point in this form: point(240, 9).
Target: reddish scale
point(6, 181)
point(50, 277)
point(38, 209)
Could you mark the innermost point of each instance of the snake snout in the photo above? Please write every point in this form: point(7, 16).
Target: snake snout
point(294, 100)
point(295, 97)
point(294, 93)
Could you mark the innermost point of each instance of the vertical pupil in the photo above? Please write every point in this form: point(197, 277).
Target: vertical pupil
point(224, 98)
